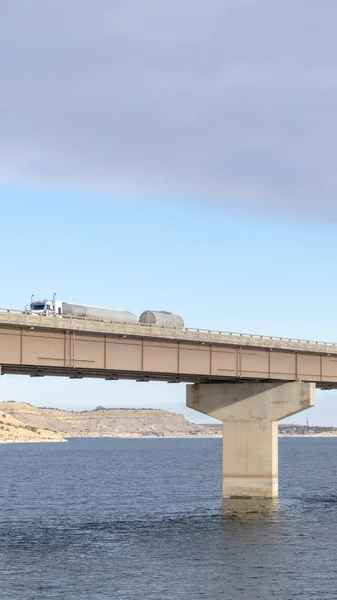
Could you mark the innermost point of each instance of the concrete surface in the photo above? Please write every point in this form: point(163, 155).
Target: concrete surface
point(250, 413)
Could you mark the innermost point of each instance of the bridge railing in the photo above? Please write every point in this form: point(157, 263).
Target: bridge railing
point(22, 317)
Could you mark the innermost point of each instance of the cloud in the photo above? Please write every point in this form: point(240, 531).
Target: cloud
point(225, 101)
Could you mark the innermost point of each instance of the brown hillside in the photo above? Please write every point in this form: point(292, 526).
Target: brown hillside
point(108, 422)
point(14, 430)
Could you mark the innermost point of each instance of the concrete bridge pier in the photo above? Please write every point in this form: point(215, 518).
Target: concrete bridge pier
point(250, 413)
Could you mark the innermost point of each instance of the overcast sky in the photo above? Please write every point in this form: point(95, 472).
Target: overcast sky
point(224, 101)
point(182, 108)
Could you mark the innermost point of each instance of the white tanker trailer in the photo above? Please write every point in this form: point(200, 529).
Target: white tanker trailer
point(67, 309)
point(161, 318)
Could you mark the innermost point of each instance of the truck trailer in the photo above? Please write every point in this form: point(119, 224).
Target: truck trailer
point(58, 308)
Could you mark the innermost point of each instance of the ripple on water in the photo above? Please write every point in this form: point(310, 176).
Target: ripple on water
point(124, 519)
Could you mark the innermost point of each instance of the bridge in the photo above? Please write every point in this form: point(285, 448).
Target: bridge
point(249, 382)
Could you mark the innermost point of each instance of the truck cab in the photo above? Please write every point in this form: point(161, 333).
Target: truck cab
point(44, 307)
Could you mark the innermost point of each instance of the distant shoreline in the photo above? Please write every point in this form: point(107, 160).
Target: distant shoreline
point(153, 437)
point(33, 441)
point(21, 422)
point(308, 435)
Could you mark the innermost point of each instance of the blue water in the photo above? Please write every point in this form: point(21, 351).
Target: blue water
point(144, 519)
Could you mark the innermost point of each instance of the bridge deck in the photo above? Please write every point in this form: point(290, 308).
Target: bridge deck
point(72, 347)
point(18, 318)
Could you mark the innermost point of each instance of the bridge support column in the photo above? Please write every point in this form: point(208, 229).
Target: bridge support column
point(250, 413)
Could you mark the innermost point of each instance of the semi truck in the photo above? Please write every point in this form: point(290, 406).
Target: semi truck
point(58, 308)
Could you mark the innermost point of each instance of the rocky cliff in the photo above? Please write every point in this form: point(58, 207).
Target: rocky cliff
point(105, 422)
point(14, 430)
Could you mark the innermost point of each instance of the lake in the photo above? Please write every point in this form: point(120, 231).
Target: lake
point(98, 519)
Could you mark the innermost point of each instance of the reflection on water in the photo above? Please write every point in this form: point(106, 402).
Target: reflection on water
point(250, 510)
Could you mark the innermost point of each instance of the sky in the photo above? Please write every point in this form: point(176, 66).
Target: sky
point(172, 156)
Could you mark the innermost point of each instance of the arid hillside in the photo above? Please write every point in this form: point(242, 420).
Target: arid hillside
point(13, 430)
point(107, 422)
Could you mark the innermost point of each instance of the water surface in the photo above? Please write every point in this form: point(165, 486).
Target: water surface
point(132, 519)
